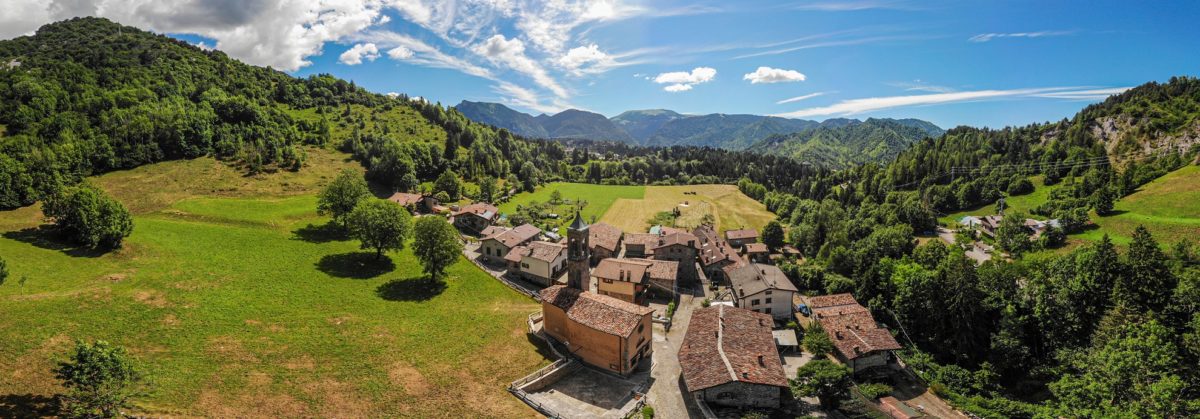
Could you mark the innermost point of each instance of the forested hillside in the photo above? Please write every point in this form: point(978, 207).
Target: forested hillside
point(1104, 330)
point(849, 143)
point(87, 96)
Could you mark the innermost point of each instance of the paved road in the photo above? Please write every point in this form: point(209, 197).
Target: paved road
point(667, 394)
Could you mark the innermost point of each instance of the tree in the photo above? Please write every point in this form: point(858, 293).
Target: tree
point(555, 197)
point(100, 380)
point(436, 244)
point(827, 381)
point(487, 189)
point(1149, 281)
point(89, 216)
point(380, 225)
point(816, 341)
point(772, 234)
point(448, 182)
point(1103, 201)
point(1011, 235)
point(342, 195)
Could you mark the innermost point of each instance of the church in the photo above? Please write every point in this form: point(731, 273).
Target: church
point(602, 331)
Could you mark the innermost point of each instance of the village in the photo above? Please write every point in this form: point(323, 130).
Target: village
point(694, 323)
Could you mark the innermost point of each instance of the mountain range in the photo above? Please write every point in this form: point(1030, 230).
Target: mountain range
point(833, 142)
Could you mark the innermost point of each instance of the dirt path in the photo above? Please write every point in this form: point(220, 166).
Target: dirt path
point(668, 396)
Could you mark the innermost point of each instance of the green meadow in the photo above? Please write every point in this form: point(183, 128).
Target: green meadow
point(599, 198)
point(238, 301)
point(1168, 206)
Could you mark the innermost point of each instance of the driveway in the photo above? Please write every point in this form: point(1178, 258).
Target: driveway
point(668, 395)
point(979, 251)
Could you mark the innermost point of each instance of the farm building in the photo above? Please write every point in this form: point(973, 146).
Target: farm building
point(475, 217)
point(739, 238)
point(728, 358)
point(858, 340)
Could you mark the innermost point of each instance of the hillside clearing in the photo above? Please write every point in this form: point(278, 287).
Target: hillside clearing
point(1169, 207)
point(731, 208)
point(238, 304)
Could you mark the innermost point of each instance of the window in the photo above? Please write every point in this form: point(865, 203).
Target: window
point(753, 302)
point(768, 310)
point(768, 301)
point(640, 328)
point(524, 265)
point(607, 280)
point(487, 250)
point(768, 292)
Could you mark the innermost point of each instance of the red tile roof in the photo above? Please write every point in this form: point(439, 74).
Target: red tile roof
point(599, 312)
point(517, 236)
point(851, 326)
point(757, 248)
point(546, 251)
point(516, 254)
point(682, 239)
point(644, 239)
point(604, 236)
point(627, 270)
point(741, 234)
point(667, 270)
point(726, 344)
point(405, 199)
point(482, 209)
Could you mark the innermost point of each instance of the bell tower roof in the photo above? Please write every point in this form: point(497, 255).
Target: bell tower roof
point(578, 224)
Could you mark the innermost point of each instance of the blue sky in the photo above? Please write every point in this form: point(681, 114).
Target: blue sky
point(990, 63)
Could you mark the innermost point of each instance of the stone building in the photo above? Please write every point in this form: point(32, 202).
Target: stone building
point(728, 358)
point(858, 340)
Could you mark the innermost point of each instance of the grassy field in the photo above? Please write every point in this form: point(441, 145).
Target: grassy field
point(1022, 203)
point(238, 304)
point(599, 198)
point(731, 208)
point(1169, 207)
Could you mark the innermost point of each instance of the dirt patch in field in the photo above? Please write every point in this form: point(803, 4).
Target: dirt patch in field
point(338, 321)
point(170, 320)
point(32, 368)
point(404, 375)
point(338, 399)
point(302, 362)
point(152, 298)
point(257, 405)
point(230, 349)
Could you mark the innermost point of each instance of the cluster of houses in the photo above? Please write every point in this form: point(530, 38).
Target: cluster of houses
point(988, 224)
point(730, 355)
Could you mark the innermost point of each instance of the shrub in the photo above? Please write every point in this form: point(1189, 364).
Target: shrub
point(816, 341)
point(89, 216)
point(874, 390)
point(100, 380)
point(647, 412)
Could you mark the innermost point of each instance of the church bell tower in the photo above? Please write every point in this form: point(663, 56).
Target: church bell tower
point(578, 255)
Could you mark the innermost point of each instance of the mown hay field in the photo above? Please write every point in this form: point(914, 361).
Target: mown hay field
point(730, 208)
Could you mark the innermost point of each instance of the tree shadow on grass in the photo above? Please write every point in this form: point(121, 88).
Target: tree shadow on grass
point(356, 265)
point(48, 237)
point(328, 232)
point(422, 288)
point(28, 406)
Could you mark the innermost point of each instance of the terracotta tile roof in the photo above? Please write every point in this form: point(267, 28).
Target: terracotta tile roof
point(727, 344)
point(683, 239)
point(481, 209)
point(667, 270)
point(713, 249)
point(790, 250)
point(644, 239)
point(546, 251)
point(599, 312)
point(627, 270)
point(405, 199)
point(741, 234)
point(757, 248)
point(756, 277)
point(516, 254)
point(822, 301)
point(517, 236)
point(851, 326)
point(604, 236)
point(492, 230)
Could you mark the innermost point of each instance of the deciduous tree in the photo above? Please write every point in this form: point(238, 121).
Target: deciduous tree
point(823, 379)
point(100, 380)
point(772, 234)
point(342, 195)
point(436, 245)
point(380, 225)
point(89, 216)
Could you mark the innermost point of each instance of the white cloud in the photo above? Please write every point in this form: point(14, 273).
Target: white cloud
point(356, 54)
point(800, 98)
point(681, 81)
point(1093, 94)
point(857, 106)
point(848, 6)
point(521, 97)
point(277, 33)
point(921, 86)
point(985, 37)
point(393, 95)
point(421, 53)
point(400, 53)
point(773, 75)
point(577, 58)
point(511, 53)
